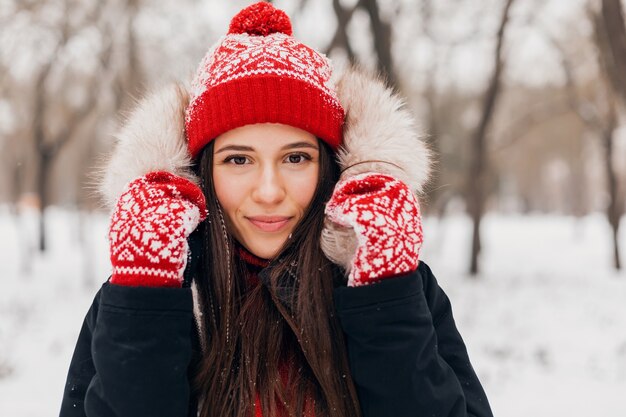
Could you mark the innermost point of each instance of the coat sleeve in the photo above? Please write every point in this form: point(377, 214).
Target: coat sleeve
point(132, 355)
point(406, 355)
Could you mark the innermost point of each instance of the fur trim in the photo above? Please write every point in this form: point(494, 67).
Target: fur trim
point(379, 136)
point(198, 316)
point(152, 139)
point(380, 128)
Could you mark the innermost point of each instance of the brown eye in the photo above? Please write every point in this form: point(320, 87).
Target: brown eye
point(237, 160)
point(298, 158)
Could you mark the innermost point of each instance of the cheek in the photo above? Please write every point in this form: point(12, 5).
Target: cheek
point(228, 193)
point(303, 188)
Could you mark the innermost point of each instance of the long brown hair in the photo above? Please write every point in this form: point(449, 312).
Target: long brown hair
point(280, 341)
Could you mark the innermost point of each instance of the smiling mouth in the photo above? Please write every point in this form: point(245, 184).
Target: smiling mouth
point(269, 224)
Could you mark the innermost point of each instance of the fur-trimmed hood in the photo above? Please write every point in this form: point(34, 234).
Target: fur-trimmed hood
point(380, 135)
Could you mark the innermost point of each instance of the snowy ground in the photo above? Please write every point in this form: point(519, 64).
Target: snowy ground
point(545, 323)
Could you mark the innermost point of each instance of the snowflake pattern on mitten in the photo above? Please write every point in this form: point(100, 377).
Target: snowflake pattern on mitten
point(386, 219)
point(149, 229)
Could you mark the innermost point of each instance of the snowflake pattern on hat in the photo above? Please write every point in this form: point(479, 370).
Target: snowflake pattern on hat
point(259, 73)
point(242, 55)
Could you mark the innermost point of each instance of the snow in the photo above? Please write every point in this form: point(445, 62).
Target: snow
point(544, 323)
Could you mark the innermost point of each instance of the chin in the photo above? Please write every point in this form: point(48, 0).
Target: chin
point(266, 250)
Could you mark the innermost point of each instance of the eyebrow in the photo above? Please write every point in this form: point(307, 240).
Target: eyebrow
point(251, 149)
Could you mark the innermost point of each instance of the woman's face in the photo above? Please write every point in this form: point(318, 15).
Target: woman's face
point(265, 176)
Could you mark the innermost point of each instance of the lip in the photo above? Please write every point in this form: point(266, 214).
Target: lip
point(269, 223)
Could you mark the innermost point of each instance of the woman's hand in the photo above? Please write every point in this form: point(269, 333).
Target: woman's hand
point(385, 216)
point(149, 229)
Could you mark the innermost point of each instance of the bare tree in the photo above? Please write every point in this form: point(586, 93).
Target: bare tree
point(610, 40)
point(476, 194)
point(613, 40)
point(615, 208)
point(598, 112)
point(47, 144)
point(128, 82)
point(340, 39)
point(381, 33)
point(601, 119)
point(440, 105)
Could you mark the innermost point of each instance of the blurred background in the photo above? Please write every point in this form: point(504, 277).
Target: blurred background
point(523, 102)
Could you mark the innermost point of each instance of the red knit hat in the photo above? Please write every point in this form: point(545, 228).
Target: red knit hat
point(258, 73)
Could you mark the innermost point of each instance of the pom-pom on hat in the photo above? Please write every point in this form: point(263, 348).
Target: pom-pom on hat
point(259, 73)
point(261, 19)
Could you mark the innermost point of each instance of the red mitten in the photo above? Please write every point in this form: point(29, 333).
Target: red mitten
point(386, 219)
point(149, 230)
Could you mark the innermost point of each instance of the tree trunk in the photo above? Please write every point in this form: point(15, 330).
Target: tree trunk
point(48, 145)
point(613, 210)
point(135, 72)
point(476, 195)
point(381, 32)
point(340, 39)
point(613, 19)
point(43, 174)
point(610, 38)
point(17, 178)
point(39, 141)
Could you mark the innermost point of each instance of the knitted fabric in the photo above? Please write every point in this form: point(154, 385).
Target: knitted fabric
point(254, 265)
point(149, 229)
point(251, 259)
point(259, 73)
point(385, 216)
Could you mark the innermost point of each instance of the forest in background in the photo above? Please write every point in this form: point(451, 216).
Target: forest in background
point(521, 100)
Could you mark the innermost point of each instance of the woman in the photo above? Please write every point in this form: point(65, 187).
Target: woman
point(294, 172)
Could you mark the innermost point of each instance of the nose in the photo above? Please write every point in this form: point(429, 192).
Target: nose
point(269, 188)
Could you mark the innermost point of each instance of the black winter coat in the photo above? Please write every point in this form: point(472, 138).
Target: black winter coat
point(407, 359)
